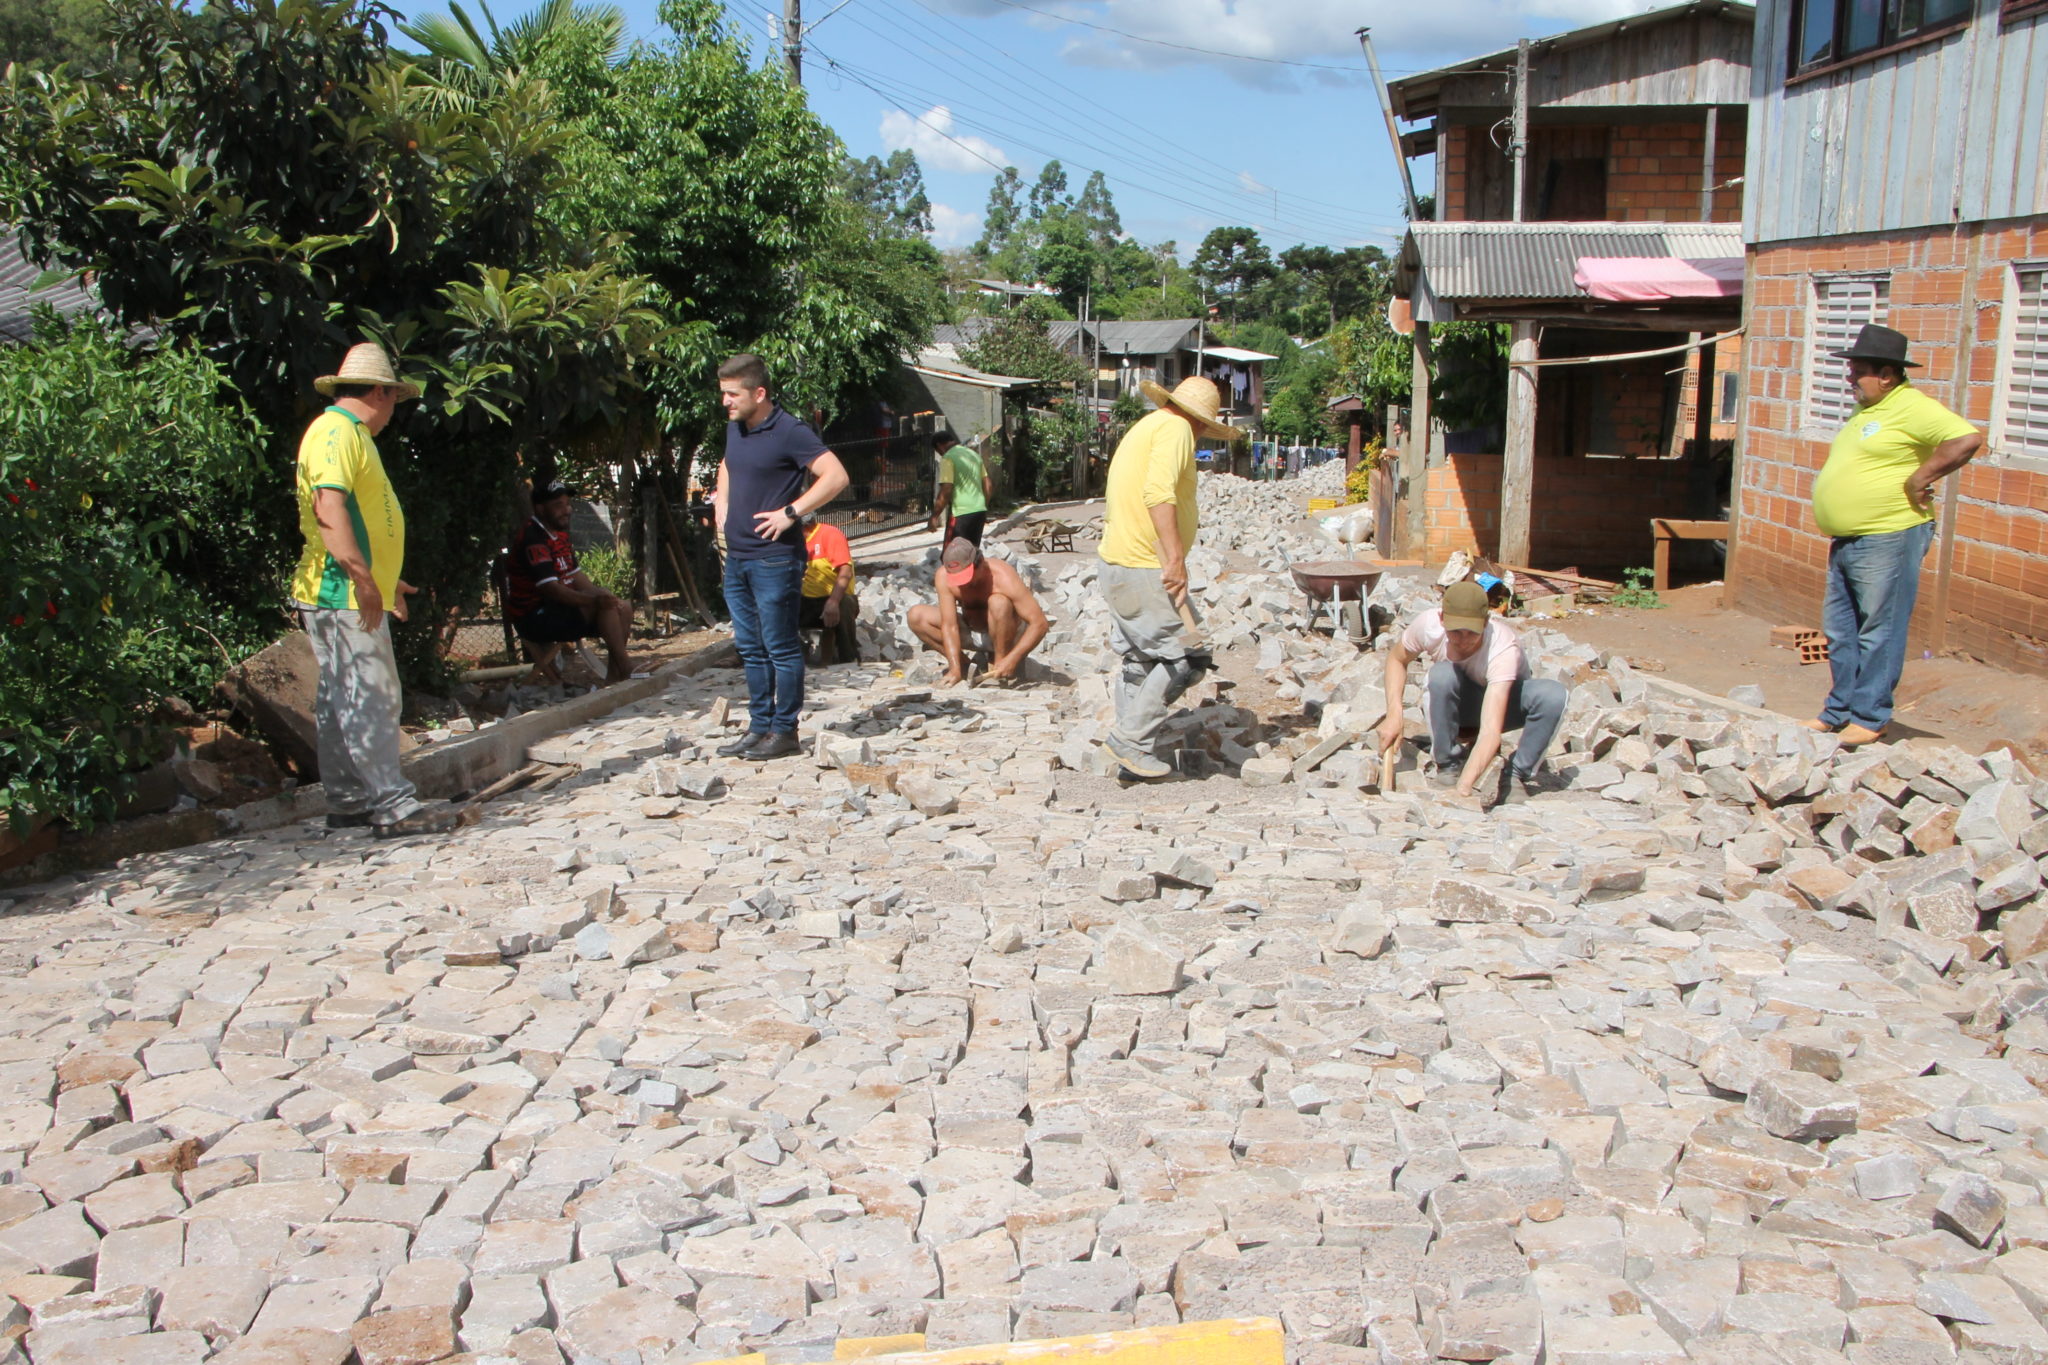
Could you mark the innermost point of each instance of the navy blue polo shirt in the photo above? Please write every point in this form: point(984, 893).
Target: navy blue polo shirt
point(767, 467)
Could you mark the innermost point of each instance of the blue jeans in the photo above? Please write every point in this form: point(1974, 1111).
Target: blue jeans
point(1872, 582)
point(1535, 707)
point(765, 599)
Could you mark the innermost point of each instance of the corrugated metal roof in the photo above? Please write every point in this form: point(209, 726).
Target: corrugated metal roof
point(935, 360)
point(1152, 337)
point(965, 332)
point(1537, 260)
point(19, 299)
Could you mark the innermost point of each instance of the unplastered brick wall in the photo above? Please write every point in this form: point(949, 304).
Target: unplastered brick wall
point(1947, 293)
point(1590, 512)
point(1653, 170)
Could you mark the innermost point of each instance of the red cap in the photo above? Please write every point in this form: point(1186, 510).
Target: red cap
point(961, 559)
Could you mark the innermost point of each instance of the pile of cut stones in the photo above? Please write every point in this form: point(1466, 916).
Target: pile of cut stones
point(1726, 1049)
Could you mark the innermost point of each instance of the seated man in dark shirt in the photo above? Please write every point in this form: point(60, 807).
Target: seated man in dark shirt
point(548, 598)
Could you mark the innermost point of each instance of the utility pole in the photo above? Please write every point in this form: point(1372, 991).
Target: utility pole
point(1518, 145)
point(793, 39)
point(1393, 133)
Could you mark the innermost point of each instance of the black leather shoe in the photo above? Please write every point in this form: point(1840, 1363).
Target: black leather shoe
point(741, 747)
point(779, 744)
point(358, 820)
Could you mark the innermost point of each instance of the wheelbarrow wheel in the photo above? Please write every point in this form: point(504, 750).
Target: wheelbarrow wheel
point(1352, 615)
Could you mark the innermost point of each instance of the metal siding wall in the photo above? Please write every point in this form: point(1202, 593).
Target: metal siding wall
point(1953, 129)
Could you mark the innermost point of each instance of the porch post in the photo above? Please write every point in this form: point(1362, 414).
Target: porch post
point(1518, 463)
point(1411, 488)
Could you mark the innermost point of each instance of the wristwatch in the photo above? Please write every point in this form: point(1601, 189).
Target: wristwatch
point(791, 512)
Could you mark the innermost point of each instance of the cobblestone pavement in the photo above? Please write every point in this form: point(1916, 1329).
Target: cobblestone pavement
point(1724, 1049)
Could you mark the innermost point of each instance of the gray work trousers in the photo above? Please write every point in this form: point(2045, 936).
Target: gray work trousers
point(356, 710)
point(1146, 630)
point(1535, 707)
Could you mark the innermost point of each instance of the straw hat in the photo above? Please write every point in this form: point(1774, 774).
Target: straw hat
point(1197, 399)
point(366, 364)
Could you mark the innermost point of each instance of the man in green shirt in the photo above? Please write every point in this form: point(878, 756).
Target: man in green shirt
point(964, 488)
point(1874, 500)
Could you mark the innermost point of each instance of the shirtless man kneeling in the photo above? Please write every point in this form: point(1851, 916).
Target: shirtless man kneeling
point(983, 595)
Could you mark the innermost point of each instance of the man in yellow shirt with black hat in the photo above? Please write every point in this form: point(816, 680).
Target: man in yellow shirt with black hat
point(1874, 500)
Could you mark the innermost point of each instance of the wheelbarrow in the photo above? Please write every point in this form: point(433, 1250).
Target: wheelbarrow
point(1342, 585)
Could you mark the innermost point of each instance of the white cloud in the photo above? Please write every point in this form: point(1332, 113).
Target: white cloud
point(1319, 31)
point(951, 227)
point(938, 146)
point(1250, 184)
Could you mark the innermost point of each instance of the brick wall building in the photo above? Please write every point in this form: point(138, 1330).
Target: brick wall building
point(1634, 151)
point(1943, 236)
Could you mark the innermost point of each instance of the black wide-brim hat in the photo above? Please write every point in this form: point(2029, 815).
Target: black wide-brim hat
point(1878, 343)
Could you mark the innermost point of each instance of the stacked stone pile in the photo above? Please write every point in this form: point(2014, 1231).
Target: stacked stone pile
point(920, 1036)
point(1728, 1050)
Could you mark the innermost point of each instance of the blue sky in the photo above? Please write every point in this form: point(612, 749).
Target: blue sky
point(1292, 143)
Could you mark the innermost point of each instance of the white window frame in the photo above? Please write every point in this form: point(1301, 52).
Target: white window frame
point(2006, 446)
point(1827, 402)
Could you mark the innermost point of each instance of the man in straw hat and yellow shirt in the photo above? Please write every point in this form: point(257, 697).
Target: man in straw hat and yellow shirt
point(1149, 524)
point(347, 583)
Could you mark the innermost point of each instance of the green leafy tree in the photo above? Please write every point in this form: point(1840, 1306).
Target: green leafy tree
point(273, 185)
point(1066, 257)
point(1097, 209)
point(1049, 191)
point(719, 184)
point(1233, 262)
point(892, 190)
point(1003, 214)
point(1469, 389)
point(1018, 345)
point(114, 464)
point(48, 32)
point(464, 62)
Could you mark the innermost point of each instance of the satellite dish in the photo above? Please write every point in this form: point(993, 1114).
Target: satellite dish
point(1400, 317)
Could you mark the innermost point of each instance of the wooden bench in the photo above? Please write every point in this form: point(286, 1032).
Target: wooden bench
point(1666, 530)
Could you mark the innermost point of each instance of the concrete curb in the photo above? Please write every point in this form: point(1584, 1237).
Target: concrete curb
point(438, 770)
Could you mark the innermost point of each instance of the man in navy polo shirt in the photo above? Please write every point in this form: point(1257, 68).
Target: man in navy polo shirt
point(761, 500)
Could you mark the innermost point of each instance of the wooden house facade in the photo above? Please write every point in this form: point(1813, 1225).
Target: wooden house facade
point(1633, 158)
point(1898, 173)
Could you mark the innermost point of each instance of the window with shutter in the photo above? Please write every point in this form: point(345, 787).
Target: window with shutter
point(2024, 366)
point(1842, 304)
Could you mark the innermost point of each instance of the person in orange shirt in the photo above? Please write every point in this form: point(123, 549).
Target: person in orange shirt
point(828, 601)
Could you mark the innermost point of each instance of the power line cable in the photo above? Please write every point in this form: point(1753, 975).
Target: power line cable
point(1185, 47)
point(1345, 212)
point(867, 79)
point(1305, 226)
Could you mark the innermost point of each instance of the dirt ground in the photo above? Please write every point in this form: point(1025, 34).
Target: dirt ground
point(1704, 644)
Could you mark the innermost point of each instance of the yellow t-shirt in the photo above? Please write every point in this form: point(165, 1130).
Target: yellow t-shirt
point(337, 452)
point(1861, 490)
point(1154, 464)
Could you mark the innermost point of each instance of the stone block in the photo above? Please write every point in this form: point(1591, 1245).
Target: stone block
point(1972, 1208)
point(1801, 1107)
point(1460, 900)
point(1133, 963)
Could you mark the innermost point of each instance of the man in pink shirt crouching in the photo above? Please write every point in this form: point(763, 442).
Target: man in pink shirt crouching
point(1478, 677)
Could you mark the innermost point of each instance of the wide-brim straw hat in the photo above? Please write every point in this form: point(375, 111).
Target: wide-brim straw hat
point(1198, 400)
point(366, 364)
